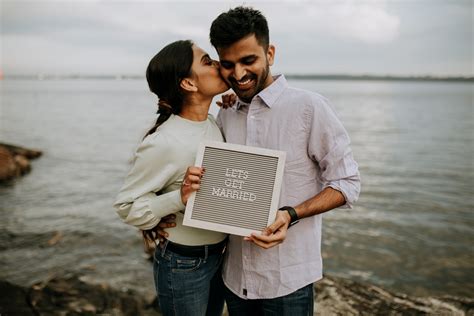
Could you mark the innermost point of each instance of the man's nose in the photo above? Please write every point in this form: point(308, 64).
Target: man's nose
point(239, 72)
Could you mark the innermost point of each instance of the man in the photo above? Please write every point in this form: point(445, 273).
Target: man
point(273, 273)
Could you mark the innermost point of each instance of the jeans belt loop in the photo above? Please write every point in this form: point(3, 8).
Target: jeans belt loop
point(206, 252)
point(163, 250)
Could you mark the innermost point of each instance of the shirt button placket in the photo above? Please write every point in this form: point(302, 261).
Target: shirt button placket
point(251, 126)
point(246, 265)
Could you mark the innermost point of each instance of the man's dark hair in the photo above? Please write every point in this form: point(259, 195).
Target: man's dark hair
point(235, 24)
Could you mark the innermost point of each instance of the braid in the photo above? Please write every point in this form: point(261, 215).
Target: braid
point(164, 112)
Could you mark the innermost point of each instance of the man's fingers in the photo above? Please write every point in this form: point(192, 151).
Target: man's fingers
point(168, 219)
point(162, 234)
point(166, 224)
point(262, 244)
point(277, 237)
point(277, 224)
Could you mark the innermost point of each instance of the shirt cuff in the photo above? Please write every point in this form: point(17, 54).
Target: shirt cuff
point(348, 204)
point(166, 203)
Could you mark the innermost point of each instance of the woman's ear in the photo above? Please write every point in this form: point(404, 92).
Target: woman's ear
point(188, 85)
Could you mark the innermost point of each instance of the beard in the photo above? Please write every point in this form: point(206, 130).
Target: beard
point(260, 81)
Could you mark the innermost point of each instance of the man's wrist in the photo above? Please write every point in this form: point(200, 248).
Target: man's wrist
point(291, 215)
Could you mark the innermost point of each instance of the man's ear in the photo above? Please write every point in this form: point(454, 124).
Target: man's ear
point(270, 54)
point(188, 85)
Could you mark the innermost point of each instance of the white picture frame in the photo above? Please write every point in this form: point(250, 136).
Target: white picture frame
point(240, 189)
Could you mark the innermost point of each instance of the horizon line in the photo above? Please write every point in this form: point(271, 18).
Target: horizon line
point(295, 76)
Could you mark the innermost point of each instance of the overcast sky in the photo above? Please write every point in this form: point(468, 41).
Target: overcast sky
point(404, 37)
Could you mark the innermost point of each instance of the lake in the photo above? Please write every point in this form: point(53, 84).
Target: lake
point(411, 230)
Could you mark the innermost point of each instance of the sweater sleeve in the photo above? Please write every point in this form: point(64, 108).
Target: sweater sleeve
point(139, 202)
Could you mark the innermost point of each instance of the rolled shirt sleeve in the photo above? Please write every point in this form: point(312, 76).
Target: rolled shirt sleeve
point(141, 202)
point(329, 146)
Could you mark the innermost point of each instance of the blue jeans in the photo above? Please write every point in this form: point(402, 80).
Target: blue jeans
point(188, 285)
point(298, 303)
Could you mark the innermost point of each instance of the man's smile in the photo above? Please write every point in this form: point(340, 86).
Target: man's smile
point(245, 83)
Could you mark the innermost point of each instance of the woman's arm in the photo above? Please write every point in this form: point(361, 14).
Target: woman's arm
point(154, 169)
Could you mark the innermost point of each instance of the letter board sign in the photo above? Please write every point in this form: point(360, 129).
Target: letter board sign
point(239, 191)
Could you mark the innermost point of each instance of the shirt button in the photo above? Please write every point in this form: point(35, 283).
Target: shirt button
point(252, 116)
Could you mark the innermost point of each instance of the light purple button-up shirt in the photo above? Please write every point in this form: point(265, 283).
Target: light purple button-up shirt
point(317, 156)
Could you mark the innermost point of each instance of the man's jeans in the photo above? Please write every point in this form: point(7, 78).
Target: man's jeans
point(298, 303)
point(188, 285)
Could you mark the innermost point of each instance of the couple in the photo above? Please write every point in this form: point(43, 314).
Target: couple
point(267, 274)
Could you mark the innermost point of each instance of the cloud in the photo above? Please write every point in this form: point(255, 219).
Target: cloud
point(367, 21)
point(344, 36)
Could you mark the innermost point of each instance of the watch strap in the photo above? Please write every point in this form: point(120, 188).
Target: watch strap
point(293, 216)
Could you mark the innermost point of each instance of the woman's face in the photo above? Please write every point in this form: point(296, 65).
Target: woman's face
point(205, 72)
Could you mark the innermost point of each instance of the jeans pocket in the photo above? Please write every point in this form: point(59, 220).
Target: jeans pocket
point(187, 264)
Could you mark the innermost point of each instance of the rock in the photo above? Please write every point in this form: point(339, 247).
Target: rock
point(8, 167)
point(73, 294)
point(28, 153)
point(13, 300)
point(15, 161)
point(22, 163)
point(337, 296)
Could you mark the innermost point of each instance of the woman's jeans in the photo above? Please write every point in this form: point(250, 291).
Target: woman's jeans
point(188, 285)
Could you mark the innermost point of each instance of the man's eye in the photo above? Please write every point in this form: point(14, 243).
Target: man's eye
point(248, 61)
point(226, 65)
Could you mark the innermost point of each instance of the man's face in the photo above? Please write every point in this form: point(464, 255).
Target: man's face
point(245, 66)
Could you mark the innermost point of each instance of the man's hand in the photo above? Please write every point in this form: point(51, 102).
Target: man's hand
point(228, 100)
point(166, 222)
point(274, 234)
point(191, 182)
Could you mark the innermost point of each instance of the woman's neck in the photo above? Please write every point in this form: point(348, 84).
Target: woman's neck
point(195, 110)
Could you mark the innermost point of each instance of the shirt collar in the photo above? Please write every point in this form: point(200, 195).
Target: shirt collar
point(270, 94)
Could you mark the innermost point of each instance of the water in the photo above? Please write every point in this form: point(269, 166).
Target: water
point(411, 230)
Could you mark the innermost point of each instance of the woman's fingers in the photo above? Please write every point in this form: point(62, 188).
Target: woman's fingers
point(191, 182)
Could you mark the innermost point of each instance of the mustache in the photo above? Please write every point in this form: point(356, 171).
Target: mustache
point(244, 78)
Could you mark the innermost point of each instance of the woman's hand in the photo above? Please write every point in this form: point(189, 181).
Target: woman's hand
point(191, 182)
point(228, 100)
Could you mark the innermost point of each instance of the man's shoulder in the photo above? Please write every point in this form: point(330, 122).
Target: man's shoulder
point(306, 98)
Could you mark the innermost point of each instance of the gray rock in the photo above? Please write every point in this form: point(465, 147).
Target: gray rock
point(337, 296)
point(74, 294)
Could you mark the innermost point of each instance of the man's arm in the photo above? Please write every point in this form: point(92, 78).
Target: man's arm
point(275, 234)
point(329, 147)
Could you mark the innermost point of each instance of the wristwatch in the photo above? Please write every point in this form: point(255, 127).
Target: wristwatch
point(293, 215)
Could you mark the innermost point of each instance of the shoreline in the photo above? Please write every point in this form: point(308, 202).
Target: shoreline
point(73, 292)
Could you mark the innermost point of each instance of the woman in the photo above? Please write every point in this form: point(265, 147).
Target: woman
point(187, 265)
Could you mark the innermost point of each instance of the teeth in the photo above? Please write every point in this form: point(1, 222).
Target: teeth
point(243, 83)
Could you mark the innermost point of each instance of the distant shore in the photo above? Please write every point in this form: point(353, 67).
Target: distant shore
point(357, 77)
